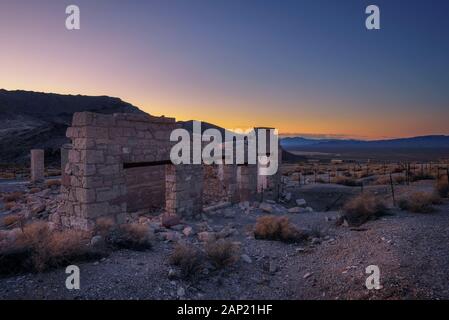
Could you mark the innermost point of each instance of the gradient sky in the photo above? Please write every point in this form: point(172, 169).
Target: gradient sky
point(303, 66)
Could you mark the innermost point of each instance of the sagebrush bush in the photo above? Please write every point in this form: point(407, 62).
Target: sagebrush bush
point(277, 228)
point(419, 202)
point(130, 236)
point(13, 196)
point(10, 205)
point(222, 252)
point(13, 220)
point(188, 258)
point(345, 181)
point(442, 187)
point(38, 248)
point(362, 208)
point(53, 183)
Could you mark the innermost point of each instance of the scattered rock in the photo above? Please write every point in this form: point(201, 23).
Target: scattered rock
point(207, 236)
point(169, 221)
point(172, 236)
point(266, 207)
point(246, 258)
point(38, 208)
point(307, 275)
point(315, 241)
point(181, 292)
point(188, 231)
point(226, 232)
point(178, 227)
point(272, 267)
point(296, 210)
point(288, 196)
point(301, 202)
point(96, 240)
point(172, 273)
point(229, 213)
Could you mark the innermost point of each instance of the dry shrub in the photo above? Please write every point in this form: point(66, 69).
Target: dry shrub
point(442, 187)
point(277, 228)
point(420, 202)
point(362, 208)
point(53, 183)
point(10, 205)
point(385, 180)
point(13, 197)
point(188, 258)
point(345, 181)
point(130, 236)
point(399, 180)
point(38, 248)
point(34, 190)
point(222, 252)
point(104, 226)
point(13, 219)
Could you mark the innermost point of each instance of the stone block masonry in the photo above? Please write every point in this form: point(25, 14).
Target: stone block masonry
point(37, 165)
point(119, 164)
point(184, 190)
point(96, 185)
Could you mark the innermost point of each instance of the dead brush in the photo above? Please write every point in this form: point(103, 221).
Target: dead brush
point(222, 253)
point(419, 202)
point(38, 248)
point(10, 205)
point(53, 183)
point(13, 220)
point(442, 187)
point(188, 258)
point(345, 181)
point(362, 208)
point(277, 228)
point(132, 236)
point(13, 196)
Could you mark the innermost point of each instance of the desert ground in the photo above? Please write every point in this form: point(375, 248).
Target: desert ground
point(326, 241)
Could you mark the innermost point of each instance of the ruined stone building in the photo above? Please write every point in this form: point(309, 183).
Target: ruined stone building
point(119, 164)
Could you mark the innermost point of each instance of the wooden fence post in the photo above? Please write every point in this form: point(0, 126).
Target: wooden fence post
point(392, 189)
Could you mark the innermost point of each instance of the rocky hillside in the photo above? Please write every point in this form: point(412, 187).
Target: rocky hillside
point(39, 120)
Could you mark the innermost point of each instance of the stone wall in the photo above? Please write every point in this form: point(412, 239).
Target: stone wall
point(184, 189)
point(101, 144)
point(120, 164)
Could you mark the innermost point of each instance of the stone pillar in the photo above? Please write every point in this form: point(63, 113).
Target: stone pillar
point(97, 183)
point(247, 182)
point(37, 165)
point(65, 178)
point(228, 175)
point(184, 189)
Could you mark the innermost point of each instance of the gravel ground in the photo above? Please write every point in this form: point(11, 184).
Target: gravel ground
point(410, 250)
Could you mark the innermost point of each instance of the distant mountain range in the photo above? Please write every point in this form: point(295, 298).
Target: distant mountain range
point(434, 141)
point(414, 148)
